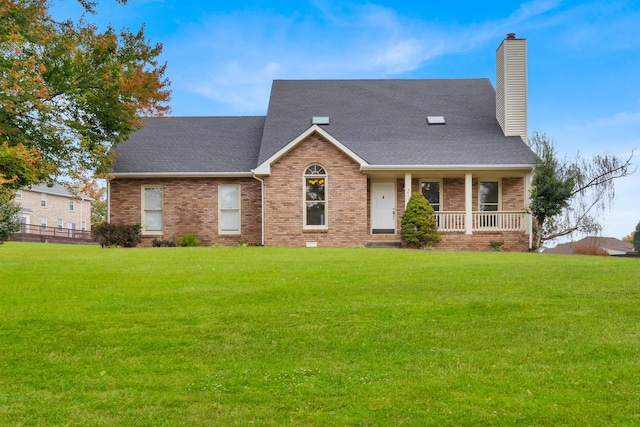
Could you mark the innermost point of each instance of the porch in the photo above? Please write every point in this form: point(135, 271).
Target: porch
point(471, 208)
point(482, 221)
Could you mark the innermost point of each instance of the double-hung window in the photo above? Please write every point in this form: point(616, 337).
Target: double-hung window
point(315, 197)
point(229, 206)
point(152, 213)
point(431, 192)
point(489, 201)
point(43, 200)
point(72, 205)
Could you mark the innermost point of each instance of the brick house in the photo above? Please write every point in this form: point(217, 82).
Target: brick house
point(334, 162)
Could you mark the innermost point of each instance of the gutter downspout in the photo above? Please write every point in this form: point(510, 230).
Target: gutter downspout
point(261, 208)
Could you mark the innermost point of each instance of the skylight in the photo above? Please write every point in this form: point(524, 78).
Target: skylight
point(320, 120)
point(436, 120)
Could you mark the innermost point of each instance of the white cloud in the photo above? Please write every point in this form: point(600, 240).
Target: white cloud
point(618, 119)
point(232, 59)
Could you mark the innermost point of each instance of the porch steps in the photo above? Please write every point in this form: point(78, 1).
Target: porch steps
point(383, 244)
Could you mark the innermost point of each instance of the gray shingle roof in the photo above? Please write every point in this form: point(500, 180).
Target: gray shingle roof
point(192, 145)
point(56, 189)
point(609, 244)
point(385, 121)
point(382, 121)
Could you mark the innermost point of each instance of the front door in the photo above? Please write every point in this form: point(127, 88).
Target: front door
point(383, 207)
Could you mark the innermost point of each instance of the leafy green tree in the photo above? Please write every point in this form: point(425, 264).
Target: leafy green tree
point(419, 227)
point(98, 193)
point(636, 240)
point(9, 219)
point(69, 93)
point(570, 195)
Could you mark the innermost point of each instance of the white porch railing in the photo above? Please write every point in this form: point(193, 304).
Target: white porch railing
point(450, 221)
point(482, 221)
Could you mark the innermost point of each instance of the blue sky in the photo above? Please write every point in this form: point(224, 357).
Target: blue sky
point(584, 58)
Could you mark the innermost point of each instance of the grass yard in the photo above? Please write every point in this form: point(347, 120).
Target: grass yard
point(347, 337)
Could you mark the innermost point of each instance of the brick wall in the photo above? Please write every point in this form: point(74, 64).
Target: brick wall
point(190, 205)
point(513, 197)
point(346, 188)
point(479, 241)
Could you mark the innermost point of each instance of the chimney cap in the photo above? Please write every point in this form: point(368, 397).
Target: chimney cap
point(511, 36)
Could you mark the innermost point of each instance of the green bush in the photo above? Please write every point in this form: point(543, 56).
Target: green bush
point(636, 240)
point(188, 239)
point(117, 235)
point(163, 243)
point(496, 245)
point(419, 226)
point(9, 219)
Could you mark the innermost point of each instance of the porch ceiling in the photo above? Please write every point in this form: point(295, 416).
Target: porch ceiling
point(416, 173)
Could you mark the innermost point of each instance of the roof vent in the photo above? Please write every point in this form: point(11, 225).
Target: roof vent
point(320, 120)
point(436, 120)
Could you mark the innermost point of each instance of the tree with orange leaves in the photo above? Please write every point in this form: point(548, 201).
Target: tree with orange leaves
point(69, 93)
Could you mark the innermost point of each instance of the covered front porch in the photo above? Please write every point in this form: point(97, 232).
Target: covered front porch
point(471, 206)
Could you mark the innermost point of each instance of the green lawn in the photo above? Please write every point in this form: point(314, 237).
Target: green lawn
point(347, 337)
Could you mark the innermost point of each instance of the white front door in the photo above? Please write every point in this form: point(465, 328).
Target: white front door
point(383, 207)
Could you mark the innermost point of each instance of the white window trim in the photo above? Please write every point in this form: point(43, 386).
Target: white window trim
point(18, 194)
point(43, 221)
point(220, 209)
point(72, 205)
point(499, 181)
point(304, 199)
point(43, 200)
point(60, 223)
point(142, 212)
point(440, 189)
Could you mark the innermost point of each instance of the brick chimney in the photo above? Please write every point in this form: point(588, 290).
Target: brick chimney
point(511, 86)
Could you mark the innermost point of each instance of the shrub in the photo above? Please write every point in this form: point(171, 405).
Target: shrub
point(496, 245)
point(9, 219)
point(188, 239)
point(419, 227)
point(114, 235)
point(589, 250)
point(160, 243)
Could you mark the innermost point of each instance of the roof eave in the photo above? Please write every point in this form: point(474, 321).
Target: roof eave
point(505, 167)
point(121, 175)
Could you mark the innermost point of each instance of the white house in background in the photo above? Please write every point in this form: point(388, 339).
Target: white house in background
point(54, 207)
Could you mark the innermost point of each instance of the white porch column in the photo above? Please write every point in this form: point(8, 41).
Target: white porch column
point(468, 202)
point(407, 188)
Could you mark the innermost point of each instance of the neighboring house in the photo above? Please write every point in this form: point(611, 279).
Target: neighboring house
point(53, 207)
point(610, 245)
point(334, 162)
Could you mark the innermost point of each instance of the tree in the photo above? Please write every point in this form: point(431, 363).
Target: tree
point(629, 237)
point(98, 193)
point(69, 93)
point(9, 219)
point(636, 240)
point(570, 195)
point(419, 228)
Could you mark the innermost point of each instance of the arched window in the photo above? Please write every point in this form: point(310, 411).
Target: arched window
point(315, 197)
